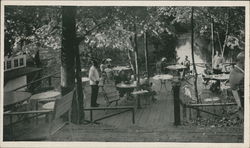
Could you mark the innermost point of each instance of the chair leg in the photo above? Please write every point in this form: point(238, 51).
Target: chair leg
point(133, 116)
point(11, 129)
point(91, 115)
point(70, 125)
point(37, 114)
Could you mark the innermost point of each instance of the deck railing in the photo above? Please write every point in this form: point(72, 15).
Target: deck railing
point(48, 78)
point(186, 110)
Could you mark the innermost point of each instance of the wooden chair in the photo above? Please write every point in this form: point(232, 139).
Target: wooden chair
point(52, 110)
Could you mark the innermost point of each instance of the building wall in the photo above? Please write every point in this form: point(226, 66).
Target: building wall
point(15, 83)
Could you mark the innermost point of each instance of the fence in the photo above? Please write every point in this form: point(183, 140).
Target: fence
point(185, 112)
point(31, 84)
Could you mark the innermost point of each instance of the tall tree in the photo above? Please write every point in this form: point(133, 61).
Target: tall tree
point(68, 56)
point(193, 60)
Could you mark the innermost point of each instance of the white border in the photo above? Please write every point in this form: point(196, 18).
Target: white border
point(127, 3)
point(131, 3)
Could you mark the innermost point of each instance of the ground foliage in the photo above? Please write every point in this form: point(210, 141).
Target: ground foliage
point(215, 122)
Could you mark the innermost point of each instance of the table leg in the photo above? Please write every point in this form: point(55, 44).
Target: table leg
point(139, 102)
point(37, 102)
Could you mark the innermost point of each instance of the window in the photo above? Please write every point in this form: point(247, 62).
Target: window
point(21, 61)
point(8, 64)
point(16, 63)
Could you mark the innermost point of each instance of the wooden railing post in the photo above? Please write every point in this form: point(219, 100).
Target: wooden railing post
point(176, 93)
point(50, 82)
point(184, 111)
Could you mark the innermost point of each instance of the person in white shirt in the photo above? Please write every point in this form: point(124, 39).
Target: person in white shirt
point(94, 81)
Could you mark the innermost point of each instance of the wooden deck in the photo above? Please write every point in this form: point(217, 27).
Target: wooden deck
point(153, 123)
point(154, 115)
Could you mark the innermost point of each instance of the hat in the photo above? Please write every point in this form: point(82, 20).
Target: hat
point(108, 59)
point(163, 59)
point(241, 57)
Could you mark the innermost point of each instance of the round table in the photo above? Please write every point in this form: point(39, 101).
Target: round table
point(123, 85)
point(127, 88)
point(15, 97)
point(139, 93)
point(220, 77)
point(163, 78)
point(176, 67)
point(120, 68)
point(211, 99)
point(45, 97)
point(85, 80)
point(84, 70)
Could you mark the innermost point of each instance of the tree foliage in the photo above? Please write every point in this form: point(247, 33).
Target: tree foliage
point(114, 27)
point(31, 25)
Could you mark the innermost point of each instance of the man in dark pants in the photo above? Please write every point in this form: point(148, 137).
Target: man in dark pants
point(94, 81)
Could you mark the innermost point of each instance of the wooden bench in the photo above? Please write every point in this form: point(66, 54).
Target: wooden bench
point(57, 109)
point(124, 108)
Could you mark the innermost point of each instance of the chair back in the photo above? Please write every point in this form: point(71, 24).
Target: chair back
point(63, 104)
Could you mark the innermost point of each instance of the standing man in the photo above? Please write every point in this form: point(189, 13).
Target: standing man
point(186, 63)
point(94, 81)
point(237, 82)
point(163, 65)
point(158, 67)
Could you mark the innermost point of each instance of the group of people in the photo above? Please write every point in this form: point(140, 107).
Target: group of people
point(161, 66)
point(95, 78)
point(236, 78)
point(122, 76)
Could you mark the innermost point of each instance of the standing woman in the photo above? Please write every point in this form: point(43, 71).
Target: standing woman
point(217, 63)
point(102, 68)
point(94, 81)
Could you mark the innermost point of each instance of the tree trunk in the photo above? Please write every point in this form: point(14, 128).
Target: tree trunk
point(68, 55)
point(218, 36)
point(212, 40)
point(226, 35)
point(79, 86)
point(130, 60)
point(136, 55)
point(146, 53)
point(192, 48)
